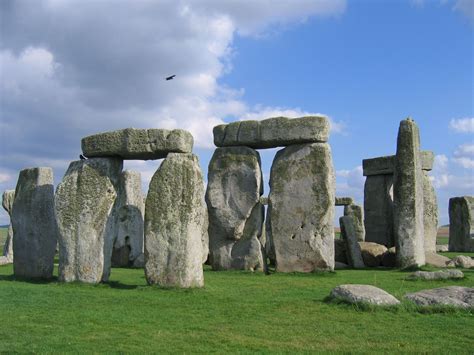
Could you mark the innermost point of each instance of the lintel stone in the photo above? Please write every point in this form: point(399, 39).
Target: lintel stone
point(385, 165)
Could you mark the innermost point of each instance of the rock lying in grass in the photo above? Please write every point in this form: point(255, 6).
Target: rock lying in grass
point(463, 261)
point(442, 248)
point(436, 275)
point(389, 258)
point(436, 260)
point(364, 294)
point(455, 296)
point(372, 253)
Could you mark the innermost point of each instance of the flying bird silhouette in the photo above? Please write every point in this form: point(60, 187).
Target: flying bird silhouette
point(171, 77)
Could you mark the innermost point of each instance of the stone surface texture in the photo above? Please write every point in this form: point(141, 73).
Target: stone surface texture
point(408, 213)
point(386, 165)
point(236, 214)
point(34, 224)
point(365, 294)
point(175, 215)
point(463, 261)
point(301, 208)
point(357, 214)
point(272, 132)
point(348, 233)
point(132, 143)
point(344, 201)
point(86, 214)
point(340, 251)
point(455, 296)
point(7, 203)
point(430, 214)
point(436, 275)
point(436, 260)
point(372, 253)
point(461, 224)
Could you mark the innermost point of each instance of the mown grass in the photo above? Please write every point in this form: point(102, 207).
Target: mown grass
point(234, 312)
point(3, 236)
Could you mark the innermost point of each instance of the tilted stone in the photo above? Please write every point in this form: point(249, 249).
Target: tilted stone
point(348, 233)
point(235, 213)
point(34, 224)
point(175, 215)
point(408, 197)
point(461, 224)
point(344, 201)
point(386, 165)
point(455, 296)
point(272, 132)
point(85, 201)
point(7, 203)
point(301, 208)
point(357, 214)
point(132, 143)
point(364, 294)
point(430, 214)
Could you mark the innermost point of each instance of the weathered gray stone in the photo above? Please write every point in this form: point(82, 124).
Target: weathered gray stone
point(455, 296)
point(430, 214)
point(378, 210)
point(301, 208)
point(264, 200)
point(461, 224)
point(436, 275)
point(344, 201)
point(34, 225)
point(7, 202)
point(372, 253)
point(235, 213)
point(357, 214)
point(340, 266)
point(408, 211)
point(86, 214)
point(175, 215)
point(132, 143)
point(340, 251)
point(442, 248)
point(389, 258)
point(364, 294)
point(463, 261)
point(348, 233)
point(272, 132)
point(128, 244)
point(386, 165)
point(436, 260)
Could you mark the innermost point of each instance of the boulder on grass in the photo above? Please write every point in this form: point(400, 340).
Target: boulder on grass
point(364, 294)
point(455, 296)
point(463, 261)
point(372, 253)
point(436, 260)
point(436, 275)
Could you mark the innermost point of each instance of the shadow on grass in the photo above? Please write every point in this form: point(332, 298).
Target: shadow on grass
point(120, 286)
point(28, 280)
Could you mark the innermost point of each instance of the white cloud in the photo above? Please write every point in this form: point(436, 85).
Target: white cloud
point(350, 182)
point(466, 7)
point(462, 125)
point(465, 150)
point(465, 162)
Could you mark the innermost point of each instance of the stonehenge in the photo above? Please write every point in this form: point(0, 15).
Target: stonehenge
point(7, 203)
point(461, 224)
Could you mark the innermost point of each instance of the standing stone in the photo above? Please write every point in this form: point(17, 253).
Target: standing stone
point(235, 213)
point(430, 214)
point(174, 219)
point(34, 224)
point(357, 214)
point(128, 245)
point(408, 197)
point(378, 210)
point(349, 234)
point(301, 208)
point(7, 203)
point(461, 224)
point(85, 202)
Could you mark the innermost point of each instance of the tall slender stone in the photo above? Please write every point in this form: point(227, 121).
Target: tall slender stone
point(408, 197)
point(34, 224)
point(349, 234)
point(357, 214)
point(301, 208)
point(461, 224)
point(7, 203)
point(86, 213)
point(175, 215)
point(430, 214)
point(235, 213)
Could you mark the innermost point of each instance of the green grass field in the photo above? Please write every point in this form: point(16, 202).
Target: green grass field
point(3, 237)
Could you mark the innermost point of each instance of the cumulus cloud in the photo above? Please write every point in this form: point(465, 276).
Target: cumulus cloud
point(465, 7)
point(350, 182)
point(462, 125)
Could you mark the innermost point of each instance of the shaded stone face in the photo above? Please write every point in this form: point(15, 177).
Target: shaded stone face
point(461, 224)
point(7, 202)
point(344, 201)
point(430, 214)
point(272, 132)
point(408, 197)
point(357, 214)
point(348, 233)
point(175, 215)
point(86, 217)
point(235, 212)
point(132, 143)
point(301, 208)
point(34, 224)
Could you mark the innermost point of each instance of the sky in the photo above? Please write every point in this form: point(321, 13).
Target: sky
point(69, 69)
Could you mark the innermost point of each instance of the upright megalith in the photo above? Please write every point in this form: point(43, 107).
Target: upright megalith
point(349, 234)
point(301, 208)
point(7, 203)
point(175, 215)
point(430, 214)
point(86, 216)
point(34, 224)
point(461, 224)
point(235, 212)
point(408, 197)
point(357, 214)
point(128, 245)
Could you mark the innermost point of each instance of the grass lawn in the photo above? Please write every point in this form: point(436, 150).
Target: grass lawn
point(3, 237)
point(235, 312)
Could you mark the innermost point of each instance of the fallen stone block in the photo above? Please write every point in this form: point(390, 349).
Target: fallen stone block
point(372, 253)
point(363, 294)
point(436, 275)
point(454, 296)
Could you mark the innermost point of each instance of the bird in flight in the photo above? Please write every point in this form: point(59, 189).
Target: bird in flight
point(170, 77)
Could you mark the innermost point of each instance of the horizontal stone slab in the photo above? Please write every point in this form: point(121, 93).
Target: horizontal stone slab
point(344, 201)
point(142, 144)
point(272, 132)
point(385, 165)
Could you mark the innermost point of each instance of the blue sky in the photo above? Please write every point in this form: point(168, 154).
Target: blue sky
point(73, 68)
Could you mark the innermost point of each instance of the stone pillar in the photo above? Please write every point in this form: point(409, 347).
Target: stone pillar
point(175, 215)
point(357, 214)
point(430, 214)
point(408, 197)
point(34, 224)
point(349, 235)
point(301, 208)
point(236, 215)
point(7, 202)
point(85, 201)
point(461, 224)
